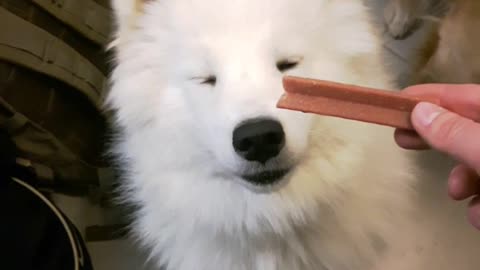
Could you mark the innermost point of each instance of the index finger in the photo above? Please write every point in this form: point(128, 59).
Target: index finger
point(463, 99)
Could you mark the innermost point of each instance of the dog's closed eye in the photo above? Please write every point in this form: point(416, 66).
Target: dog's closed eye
point(207, 80)
point(287, 64)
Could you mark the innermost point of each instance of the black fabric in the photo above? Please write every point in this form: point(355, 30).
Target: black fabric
point(7, 155)
point(32, 236)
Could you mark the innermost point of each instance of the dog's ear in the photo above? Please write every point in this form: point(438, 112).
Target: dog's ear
point(126, 12)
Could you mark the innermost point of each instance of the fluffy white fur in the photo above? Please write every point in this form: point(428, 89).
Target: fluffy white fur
point(353, 200)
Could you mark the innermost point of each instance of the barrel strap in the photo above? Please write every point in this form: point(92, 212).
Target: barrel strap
point(85, 16)
point(32, 47)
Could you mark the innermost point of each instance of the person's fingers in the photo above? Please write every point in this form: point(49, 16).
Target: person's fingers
point(463, 183)
point(410, 140)
point(448, 132)
point(474, 212)
point(463, 99)
point(451, 127)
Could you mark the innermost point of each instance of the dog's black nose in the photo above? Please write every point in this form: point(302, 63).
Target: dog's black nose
point(259, 139)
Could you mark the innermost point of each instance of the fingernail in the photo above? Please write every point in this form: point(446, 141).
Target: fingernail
point(425, 113)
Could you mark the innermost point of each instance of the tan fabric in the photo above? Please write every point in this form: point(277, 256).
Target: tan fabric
point(51, 91)
point(85, 16)
point(28, 45)
point(45, 154)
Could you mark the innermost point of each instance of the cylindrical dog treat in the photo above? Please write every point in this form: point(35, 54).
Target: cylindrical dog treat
point(348, 101)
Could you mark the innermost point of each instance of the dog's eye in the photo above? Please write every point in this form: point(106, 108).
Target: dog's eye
point(209, 80)
point(287, 64)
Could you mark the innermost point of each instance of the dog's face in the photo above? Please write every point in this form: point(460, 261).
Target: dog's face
point(212, 74)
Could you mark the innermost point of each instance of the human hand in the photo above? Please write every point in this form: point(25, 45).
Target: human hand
point(452, 127)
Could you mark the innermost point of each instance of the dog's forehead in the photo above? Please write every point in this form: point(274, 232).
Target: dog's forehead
point(233, 15)
point(249, 27)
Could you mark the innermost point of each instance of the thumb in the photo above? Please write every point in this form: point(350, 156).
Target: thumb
point(448, 132)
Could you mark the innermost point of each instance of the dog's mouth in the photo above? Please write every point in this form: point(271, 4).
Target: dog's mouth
point(265, 178)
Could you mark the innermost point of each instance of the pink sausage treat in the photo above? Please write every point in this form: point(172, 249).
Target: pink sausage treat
point(352, 102)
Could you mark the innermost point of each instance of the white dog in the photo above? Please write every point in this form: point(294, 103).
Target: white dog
point(222, 179)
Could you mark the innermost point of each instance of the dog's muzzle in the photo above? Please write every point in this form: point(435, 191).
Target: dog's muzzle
point(259, 141)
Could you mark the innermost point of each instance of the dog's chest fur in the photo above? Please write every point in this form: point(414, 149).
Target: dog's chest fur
point(300, 250)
